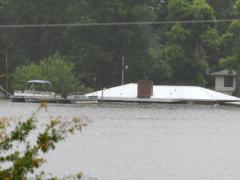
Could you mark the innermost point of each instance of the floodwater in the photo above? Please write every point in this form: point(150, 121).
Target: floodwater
point(144, 141)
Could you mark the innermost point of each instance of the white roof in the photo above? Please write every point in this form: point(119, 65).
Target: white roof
point(224, 72)
point(163, 94)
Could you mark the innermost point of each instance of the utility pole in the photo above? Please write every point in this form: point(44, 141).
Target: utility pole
point(123, 69)
point(6, 70)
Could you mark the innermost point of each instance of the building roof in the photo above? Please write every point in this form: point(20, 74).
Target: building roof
point(128, 92)
point(224, 72)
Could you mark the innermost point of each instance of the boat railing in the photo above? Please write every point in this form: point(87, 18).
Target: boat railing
point(81, 96)
point(31, 93)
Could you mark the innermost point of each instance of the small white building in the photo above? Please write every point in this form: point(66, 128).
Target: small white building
point(225, 81)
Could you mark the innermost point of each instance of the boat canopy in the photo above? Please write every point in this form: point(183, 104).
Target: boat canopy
point(39, 81)
point(38, 85)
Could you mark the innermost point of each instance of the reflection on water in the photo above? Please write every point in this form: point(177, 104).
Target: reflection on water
point(145, 141)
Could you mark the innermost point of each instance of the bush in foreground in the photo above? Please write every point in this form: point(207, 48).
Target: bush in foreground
point(16, 164)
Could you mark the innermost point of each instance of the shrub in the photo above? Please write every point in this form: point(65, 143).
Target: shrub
point(22, 164)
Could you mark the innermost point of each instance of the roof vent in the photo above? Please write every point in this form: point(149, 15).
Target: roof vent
point(145, 88)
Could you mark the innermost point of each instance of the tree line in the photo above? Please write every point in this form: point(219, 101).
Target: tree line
point(168, 53)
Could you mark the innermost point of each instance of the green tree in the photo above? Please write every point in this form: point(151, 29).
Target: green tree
point(103, 47)
point(97, 51)
point(60, 72)
point(186, 44)
point(24, 73)
point(56, 69)
point(231, 45)
point(230, 42)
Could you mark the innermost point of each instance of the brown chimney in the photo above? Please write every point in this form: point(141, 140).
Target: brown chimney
point(145, 88)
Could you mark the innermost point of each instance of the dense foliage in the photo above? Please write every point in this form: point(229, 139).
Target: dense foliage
point(56, 69)
point(175, 53)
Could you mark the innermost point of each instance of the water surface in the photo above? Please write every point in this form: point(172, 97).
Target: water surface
point(144, 141)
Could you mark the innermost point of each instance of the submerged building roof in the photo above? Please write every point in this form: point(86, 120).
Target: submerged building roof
point(224, 72)
point(161, 93)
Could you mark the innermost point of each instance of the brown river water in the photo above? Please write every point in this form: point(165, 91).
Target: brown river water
point(144, 141)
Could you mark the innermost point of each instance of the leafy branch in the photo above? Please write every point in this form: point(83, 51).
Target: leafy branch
point(20, 164)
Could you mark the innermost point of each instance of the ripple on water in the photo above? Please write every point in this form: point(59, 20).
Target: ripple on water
point(145, 141)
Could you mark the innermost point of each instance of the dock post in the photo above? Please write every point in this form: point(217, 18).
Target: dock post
point(123, 69)
point(102, 95)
